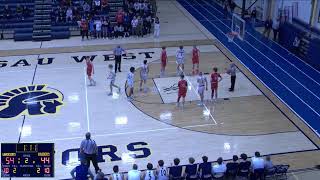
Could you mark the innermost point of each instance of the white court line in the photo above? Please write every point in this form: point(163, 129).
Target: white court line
point(274, 50)
point(125, 133)
point(87, 106)
point(263, 82)
point(267, 57)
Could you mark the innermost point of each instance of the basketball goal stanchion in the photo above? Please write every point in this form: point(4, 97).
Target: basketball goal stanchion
point(231, 35)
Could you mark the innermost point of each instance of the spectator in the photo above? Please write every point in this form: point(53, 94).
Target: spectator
point(100, 176)
point(98, 24)
point(268, 163)
point(126, 25)
point(69, 14)
point(140, 27)
point(61, 15)
point(232, 167)
point(116, 30)
point(296, 45)
point(244, 166)
point(232, 71)
point(134, 174)
point(232, 6)
point(92, 28)
point(175, 171)
point(253, 16)
point(136, 7)
point(225, 9)
point(121, 31)
point(25, 11)
point(134, 24)
point(147, 23)
point(162, 172)
point(156, 32)
point(19, 11)
point(119, 17)
point(84, 29)
point(89, 149)
point(116, 175)
point(205, 169)
point(86, 8)
point(7, 12)
point(104, 6)
point(96, 5)
point(76, 14)
point(110, 31)
point(219, 169)
point(81, 171)
point(190, 172)
point(275, 28)
point(149, 173)
point(267, 27)
point(105, 24)
point(257, 164)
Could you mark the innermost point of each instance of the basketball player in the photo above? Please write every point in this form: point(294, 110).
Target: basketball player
point(90, 71)
point(116, 175)
point(202, 84)
point(195, 60)
point(215, 78)
point(149, 173)
point(164, 61)
point(182, 92)
point(112, 77)
point(130, 82)
point(144, 75)
point(180, 60)
point(162, 172)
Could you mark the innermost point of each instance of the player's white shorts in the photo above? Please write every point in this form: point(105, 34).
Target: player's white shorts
point(180, 61)
point(111, 82)
point(201, 89)
point(130, 85)
point(144, 77)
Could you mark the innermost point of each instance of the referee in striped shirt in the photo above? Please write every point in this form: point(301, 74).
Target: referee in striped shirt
point(89, 149)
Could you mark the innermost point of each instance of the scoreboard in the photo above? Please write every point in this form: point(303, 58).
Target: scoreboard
point(27, 160)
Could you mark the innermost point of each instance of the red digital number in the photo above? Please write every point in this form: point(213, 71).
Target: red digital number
point(47, 170)
point(9, 160)
point(6, 170)
point(45, 160)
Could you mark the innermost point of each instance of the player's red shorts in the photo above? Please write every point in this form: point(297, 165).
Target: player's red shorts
point(89, 72)
point(182, 94)
point(195, 60)
point(163, 63)
point(214, 86)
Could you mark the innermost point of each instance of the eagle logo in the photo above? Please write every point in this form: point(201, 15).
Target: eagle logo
point(30, 100)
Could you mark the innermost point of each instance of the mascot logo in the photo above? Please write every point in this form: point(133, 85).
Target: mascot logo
point(30, 100)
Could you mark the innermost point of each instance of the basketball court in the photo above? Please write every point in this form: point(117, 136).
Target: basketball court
point(150, 127)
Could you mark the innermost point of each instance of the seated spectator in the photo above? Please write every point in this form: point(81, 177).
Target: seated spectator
point(119, 17)
point(244, 166)
point(141, 8)
point(100, 176)
point(104, 6)
point(162, 172)
point(96, 5)
point(190, 172)
point(81, 171)
point(232, 167)
point(134, 173)
point(98, 24)
point(25, 11)
point(69, 15)
point(205, 169)
point(19, 11)
point(86, 8)
point(149, 174)
point(116, 175)
point(175, 171)
point(257, 164)
point(219, 169)
point(61, 15)
point(76, 14)
point(7, 12)
point(136, 7)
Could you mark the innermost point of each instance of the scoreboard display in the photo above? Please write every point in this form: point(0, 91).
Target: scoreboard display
point(27, 160)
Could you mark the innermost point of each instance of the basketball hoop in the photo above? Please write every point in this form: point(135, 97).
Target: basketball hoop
point(231, 35)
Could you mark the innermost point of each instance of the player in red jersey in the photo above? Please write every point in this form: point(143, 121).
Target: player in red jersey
point(182, 92)
point(215, 78)
point(164, 60)
point(90, 71)
point(195, 60)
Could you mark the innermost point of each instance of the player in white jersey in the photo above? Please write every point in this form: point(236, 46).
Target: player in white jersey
point(144, 75)
point(202, 84)
point(180, 60)
point(112, 78)
point(162, 172)
point(149, 173)
point(116, 175)
point(130, 82)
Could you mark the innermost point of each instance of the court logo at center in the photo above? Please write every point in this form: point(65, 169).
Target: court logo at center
point(30, 100)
